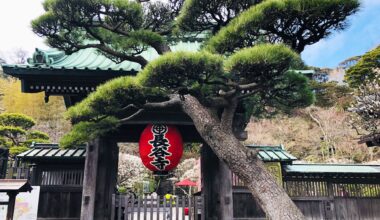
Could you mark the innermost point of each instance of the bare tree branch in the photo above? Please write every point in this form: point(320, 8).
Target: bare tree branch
point(174, 101)
point(138, 112)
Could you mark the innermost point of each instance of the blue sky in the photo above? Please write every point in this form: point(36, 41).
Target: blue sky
point(362, 35)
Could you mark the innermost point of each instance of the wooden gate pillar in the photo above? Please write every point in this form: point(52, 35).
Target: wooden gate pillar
point(216, 187)
point(100, 176)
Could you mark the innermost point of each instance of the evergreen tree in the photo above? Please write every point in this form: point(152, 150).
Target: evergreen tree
point(16, 133)
point(366, 70)
point(365, 77)
point(246, 63)
point(49, 117)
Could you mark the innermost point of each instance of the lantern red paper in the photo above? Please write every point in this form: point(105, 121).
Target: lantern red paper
point(160, 147)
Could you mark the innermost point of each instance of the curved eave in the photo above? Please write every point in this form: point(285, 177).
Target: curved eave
point(62, 81)
point(26, 71)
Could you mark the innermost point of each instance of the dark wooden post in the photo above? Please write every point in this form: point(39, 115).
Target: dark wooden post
point(99, 179)
point(89, 180)
point(11, 205)
point(33, 174)
point(216, 187)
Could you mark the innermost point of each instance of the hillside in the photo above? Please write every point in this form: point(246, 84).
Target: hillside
point(313, 135)
point(49, 116)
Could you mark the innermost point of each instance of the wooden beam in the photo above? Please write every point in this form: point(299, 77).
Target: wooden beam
point(216, 187)
point(89, 180)
point(11, 205)
point(131, 133)
point(106, 178)
point(99, 179)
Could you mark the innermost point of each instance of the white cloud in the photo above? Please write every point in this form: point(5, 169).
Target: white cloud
point(15, 18)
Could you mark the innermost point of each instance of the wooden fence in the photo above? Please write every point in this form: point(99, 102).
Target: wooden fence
point(61, 177)
point(179, 207)
point(339, 208)
point(317, 188)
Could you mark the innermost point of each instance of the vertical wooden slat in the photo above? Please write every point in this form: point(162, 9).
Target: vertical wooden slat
point(126, 207)
point(196, 207)
point(138, 207)
point(321, 189)
point(56, 176)
point(190, 208)
point(50, 175)
point(133, 208)
point(71, 177)
point(183, 206)
point(27, 174)
point(324, 189)
point(81, 178)
point(151, 207)
point(64, 177)
point(314, 188)
point(113, 205)
point(54, 179)
point(176, 207)
point(171, 200)
point(46, 177)
point(144, 204)
point(76, 179)
point(165, 208)
point(119, 208)
point(158, 208)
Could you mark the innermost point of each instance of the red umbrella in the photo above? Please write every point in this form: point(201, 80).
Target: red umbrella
point(186, 182)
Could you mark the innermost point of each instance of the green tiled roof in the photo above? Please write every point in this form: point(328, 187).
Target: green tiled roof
point(305, 72)
point(52, 151)
point(332, 169)
point(273, 153)
point(91, 59)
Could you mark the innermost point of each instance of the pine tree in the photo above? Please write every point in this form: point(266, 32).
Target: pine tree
point(246, 63)
point(16, 132)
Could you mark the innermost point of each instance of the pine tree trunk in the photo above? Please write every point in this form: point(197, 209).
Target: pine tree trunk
point(269, 195)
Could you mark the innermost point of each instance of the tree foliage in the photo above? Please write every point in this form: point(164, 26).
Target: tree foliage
point(130, 171)
point(293, 22)
point(48, 116)
point(366, 109)
point(16, 133)
point(261, 71)
point(329, 94)
point(203, 15)
point(365, 77)
point(365, 70)
point(210, 85)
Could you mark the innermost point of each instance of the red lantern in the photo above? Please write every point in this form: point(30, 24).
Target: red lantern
point(160, 147)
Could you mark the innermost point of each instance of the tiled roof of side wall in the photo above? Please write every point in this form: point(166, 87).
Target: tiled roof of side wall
point(52, 151)
point(332, 168)
point(267, 154)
